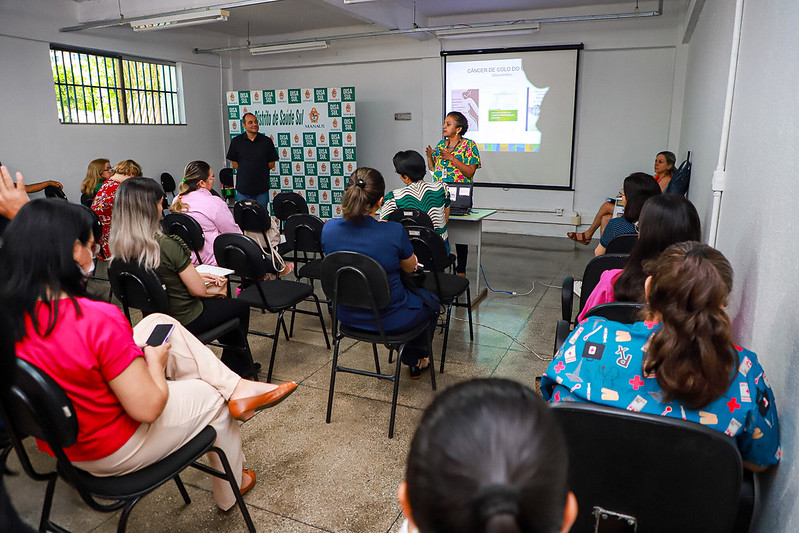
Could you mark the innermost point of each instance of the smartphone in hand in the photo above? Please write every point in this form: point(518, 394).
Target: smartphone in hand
point(160, 334)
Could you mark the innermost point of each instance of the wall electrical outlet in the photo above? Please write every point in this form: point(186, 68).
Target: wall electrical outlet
point(559, 211)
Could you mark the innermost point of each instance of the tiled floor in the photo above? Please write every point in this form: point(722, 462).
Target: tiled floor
point(343, 476)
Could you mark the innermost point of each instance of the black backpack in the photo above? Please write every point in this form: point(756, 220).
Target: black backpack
point(680, 179)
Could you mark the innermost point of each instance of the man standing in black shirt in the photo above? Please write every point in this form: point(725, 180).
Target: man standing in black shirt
point(253, 155)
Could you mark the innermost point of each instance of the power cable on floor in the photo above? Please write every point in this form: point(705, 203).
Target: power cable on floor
point(539, 356)
point(512, 293)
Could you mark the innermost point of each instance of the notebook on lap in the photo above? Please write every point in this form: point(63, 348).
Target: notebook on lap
point(460, 197)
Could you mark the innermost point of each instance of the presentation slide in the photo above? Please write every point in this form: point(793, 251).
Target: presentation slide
point(520, 105)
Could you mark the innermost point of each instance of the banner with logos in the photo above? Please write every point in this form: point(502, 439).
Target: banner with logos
point(314, 133)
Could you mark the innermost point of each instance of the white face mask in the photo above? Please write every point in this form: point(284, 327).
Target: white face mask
point(87, 273)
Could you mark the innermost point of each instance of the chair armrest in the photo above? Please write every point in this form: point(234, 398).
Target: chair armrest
point(567, 298)
point(562, 331)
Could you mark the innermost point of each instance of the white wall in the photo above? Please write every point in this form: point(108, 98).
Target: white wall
point(32, 140)
point(624, 105)
point(759, 211)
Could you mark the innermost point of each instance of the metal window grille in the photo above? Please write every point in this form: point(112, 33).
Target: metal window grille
point(98, 88)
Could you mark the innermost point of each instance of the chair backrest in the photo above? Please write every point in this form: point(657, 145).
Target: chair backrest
point(429, 247)
point(304, 233)
point(51, 191)
point(411, 217)
point(252, 216)
point(167, 182)
point(226, 177)
point(670, 474)
point(188, 229)
point(137, 287)
point(97, 226)
point(242, 254)
point(288, 203)
point(681, 178)
point(355, 280)
point(595, 268)
point(623, 312)
point(622, 244)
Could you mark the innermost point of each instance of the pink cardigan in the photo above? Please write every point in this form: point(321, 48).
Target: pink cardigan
point(603, 292)
point(214, 217)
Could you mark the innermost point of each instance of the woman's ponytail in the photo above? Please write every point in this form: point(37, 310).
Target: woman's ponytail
point(193, 174)
point(365, 188)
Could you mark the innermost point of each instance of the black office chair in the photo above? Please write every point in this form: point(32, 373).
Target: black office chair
point(623, 312)
point(37, 406)
point(622, 244)
point(431, 252)
point(188, 229)
point(304, 235)
point(252, 216)
point(246, 257)
point(139, 288)
point(356, 280)
point(227, 184)
point(664, 473)
point(51, 191)
point(288, 203)
point(593, 270)
point(168, 184)
point(417, 217)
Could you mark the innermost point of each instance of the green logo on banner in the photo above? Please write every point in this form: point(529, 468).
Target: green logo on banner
point(244, 98)
point(233, 136)
point(233, 112)
point(269, 96)
point(283, 140)
point(296, 154)
point(348, 123)
point(324, 182)
point(348, 94)
point(349, 153)
point(294, 96)
point(285, 168)
point(309, 139)
point(320, 95)
point(337, 195)
point(312, 197)
point(323, 153)
point(310, 168)
point(274, 181)
point(325, 211)
point(299, 182)
point(334, 109)
point(335, 138)
point(336, 168)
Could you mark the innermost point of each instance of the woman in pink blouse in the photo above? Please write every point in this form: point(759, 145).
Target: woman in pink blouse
point(211, 212)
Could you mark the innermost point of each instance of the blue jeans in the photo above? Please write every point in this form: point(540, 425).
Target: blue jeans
point(262, 199)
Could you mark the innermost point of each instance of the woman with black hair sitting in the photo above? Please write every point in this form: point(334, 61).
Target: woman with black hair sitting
point(638, 188)
point(488, 456)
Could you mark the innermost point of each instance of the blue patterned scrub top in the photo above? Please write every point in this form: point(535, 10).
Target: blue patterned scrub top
point(602, 362)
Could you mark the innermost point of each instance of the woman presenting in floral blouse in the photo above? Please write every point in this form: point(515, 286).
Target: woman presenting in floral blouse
point(455, 160)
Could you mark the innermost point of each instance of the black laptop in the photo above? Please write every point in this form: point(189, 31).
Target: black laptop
point(460, 197)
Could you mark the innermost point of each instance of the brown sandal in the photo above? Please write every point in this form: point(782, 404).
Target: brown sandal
point(579, 237)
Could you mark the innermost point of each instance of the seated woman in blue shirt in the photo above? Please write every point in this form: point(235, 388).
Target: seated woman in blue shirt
point(638, 188)
point(680, 362)
point(389, 245)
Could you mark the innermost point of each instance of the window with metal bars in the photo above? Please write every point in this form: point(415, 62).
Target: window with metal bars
point(103, 88)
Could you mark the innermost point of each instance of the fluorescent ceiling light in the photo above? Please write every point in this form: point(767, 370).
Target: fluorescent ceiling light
point(182, 19)
point(357, 1)
point(288, 47)
point(487, 31)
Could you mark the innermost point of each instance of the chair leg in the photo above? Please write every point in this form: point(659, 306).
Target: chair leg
point(44, 522)
point(245, 513)
point(291, 327)
point(123, 519)
point(321, 320)
point(469, 309)
point(336, 342)
point(390, 355)
point(377, 361)
point(282, 321)
point(182, 489)
point(446, 338)
point(396, 392)
point(274, 345)
point(432, 364)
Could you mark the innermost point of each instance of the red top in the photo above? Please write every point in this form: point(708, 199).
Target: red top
point(86, 350)
point(103, 204)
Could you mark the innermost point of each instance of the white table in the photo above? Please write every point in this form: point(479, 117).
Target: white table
point(468, 229)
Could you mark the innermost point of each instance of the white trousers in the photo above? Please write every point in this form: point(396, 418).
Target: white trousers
point(199, 387)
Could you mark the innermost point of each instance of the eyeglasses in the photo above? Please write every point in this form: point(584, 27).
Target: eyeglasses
point(111, 170)
point(94, 248)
